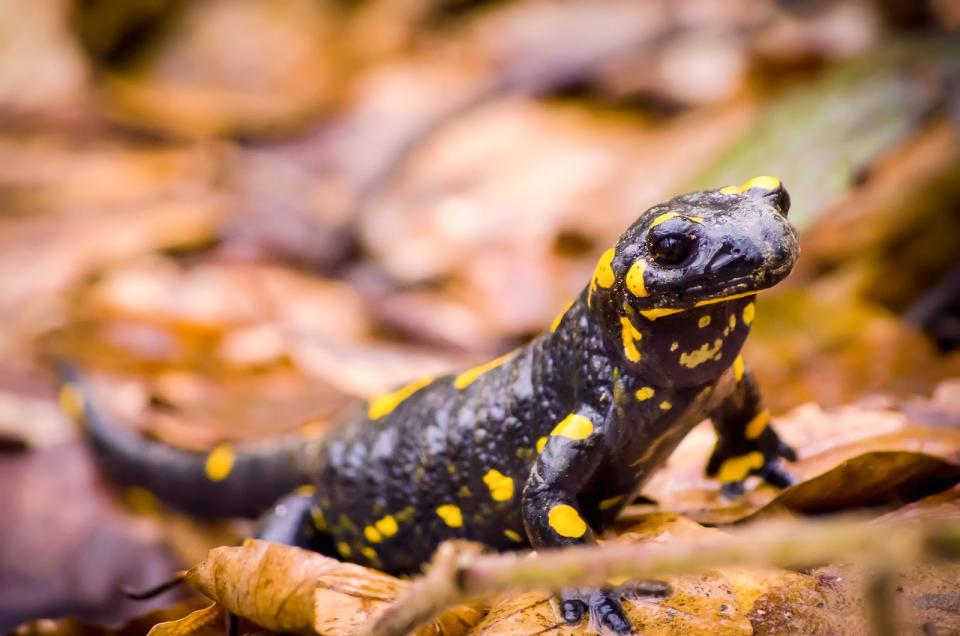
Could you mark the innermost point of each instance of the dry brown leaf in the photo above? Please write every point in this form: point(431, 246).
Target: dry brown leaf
point(283, 588)
point(849, 457)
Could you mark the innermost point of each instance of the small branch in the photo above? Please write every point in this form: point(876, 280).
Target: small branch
point(459, 572)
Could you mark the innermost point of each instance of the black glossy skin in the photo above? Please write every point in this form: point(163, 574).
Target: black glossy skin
point(386, 488)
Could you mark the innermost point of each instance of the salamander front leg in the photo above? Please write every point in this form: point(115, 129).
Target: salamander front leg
point(746, 443)
point(553, 519)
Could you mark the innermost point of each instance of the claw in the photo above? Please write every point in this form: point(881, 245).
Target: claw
point(786, 451)
point(573, 611)
point(778, 476)
point(609, 613)
point(732, 489)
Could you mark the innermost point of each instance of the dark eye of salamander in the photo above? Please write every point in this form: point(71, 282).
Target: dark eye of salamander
point(672, 249)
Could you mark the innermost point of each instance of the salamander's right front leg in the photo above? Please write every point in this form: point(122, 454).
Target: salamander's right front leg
point(552, 516)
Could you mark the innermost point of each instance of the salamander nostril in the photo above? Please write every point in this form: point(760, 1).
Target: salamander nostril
point(736, 252)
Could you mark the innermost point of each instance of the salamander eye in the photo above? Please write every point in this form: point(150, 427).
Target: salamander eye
point(672, 249)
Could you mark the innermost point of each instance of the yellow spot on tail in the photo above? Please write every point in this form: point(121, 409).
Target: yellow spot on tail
point(665, 406)
point(738, 368)
point(387, 526)
point(141, 500)
point(606, 504)
point(219, 463)
point(466, 378)
point(764, 182)
point(319, 520)
point(370, 553)
point(703, 322)
point(748, 312)
point(573, 426)
point(372, 534)
point(541, 443)
point(733, 321)
point(757, 425)
point(556, 321)
point(513, 536)
point(451, 515)
point(706, 352)
point(635, 278)
point(566, 521)
point(630, 337)
point(71, 401)
point(666, 216)
point(653, 314)
point(644, 393)
point(723, 299)
point(382, 405)
point(737, 468)
point(500, 485)
point(344, 549)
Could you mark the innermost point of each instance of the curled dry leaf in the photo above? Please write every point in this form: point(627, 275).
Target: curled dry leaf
point(849, 457)
point(284, 588)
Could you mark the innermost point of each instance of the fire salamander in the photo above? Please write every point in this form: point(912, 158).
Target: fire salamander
point(539, 448)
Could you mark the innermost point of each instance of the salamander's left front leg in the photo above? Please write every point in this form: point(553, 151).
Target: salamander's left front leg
point(746, 443)
point(552, 517)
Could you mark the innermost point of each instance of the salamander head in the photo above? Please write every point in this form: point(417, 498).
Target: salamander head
point(692, 261)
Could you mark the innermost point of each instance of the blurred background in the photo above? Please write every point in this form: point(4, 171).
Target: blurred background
point(244, 216)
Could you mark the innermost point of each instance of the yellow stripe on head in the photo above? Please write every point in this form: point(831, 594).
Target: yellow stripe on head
point(764, 182)
point(653, 314)
point(630, 337)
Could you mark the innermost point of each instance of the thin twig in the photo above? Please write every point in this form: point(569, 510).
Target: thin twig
point(459, 573)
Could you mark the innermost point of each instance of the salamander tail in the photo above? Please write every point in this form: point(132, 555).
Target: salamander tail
point(226, 482)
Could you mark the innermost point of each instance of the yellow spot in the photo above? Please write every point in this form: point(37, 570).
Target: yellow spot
point(758, 424)
point(566, 521)
point(464, 492)
point(384, 404)
point(606, 504)
point(653, 314)
point(556, 321)
point(666, 216)
point(693, 359)
point(219, 463)
point(644, 393)
point(635, 278)
point(665, 406)
point(500, 485)
point(452, 469)
point(372, 534)
point(733, 321)
point(541, 443)
point(344, 549)
point(318, 518)
point(674, 346)
point(387, 526)
point(451, 515)
point(603, 275)
point(703, 322)
point(141, 500)
point(738, 368)
point(764, 182)
point(630, 337)
point(370, 553)
point(305, 490)
point(406, 515)
point(466, 378)
point(71, 401)
point(513, 536)
point(723, 299)
point(573, 426)
point(737, 468)
point(748, 313)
